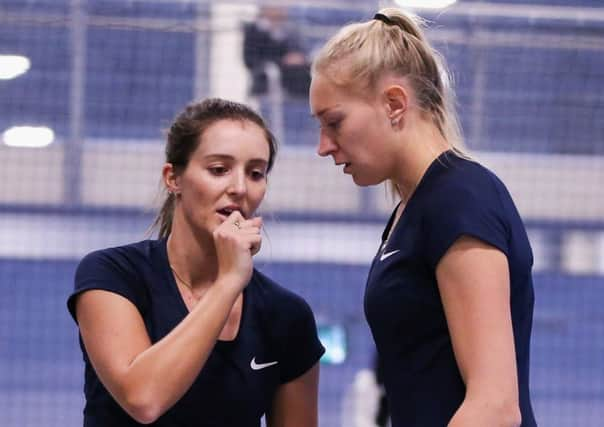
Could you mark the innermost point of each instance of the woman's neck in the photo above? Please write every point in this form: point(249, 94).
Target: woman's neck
point(191, 255)
point(423, 146)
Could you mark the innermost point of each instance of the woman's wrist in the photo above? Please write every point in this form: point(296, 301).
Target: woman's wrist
point(231, 283)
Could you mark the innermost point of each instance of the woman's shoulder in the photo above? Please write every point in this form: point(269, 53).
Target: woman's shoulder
point(118, 269)
point(462, 171)
point(131, 253)
point(274, 298)
point(126, 263)
point(462, 180)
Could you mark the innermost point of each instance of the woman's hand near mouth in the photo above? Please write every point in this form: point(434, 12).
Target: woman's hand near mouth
point(237, 239)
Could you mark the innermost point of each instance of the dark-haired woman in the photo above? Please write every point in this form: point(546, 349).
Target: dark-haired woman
point(182, 330)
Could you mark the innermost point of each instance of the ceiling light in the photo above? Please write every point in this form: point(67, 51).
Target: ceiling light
point(425, 4)
point(12, 66)
point(28, 136)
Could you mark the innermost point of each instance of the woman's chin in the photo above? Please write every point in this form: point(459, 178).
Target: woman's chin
point(363, 181)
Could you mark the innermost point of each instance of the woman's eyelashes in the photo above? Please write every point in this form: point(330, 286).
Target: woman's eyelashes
point(332, 123)
point(254, 173)
point(257, 174)
point(218, 170)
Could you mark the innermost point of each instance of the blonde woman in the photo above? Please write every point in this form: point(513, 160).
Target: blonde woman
point(449, 297)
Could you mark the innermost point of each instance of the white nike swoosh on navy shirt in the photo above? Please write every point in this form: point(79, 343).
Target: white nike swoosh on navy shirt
point(388, 254)
point(257, 366)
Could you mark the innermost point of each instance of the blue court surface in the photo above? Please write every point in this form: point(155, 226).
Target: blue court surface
point(41, 370)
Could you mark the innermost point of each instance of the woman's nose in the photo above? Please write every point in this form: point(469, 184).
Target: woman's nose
point(326, 145)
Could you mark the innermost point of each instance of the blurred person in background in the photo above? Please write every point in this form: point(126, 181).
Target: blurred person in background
point(182, 330)
point(279, 70)
point(270, 39)
point(365, 403)
point(449, 296)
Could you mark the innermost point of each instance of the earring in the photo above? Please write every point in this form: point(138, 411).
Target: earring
point(394, 122)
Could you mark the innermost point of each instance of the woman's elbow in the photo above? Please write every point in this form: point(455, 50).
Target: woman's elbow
point(509, 415)
point(143, 410)
point(143, 415)
point(514, 417)
point(498, 412)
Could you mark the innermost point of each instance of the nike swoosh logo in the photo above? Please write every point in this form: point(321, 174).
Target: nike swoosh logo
point(257, 366)
point(388, 254)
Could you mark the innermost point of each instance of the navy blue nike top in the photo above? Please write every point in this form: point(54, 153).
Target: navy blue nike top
point(276, 343)
point(455, 197)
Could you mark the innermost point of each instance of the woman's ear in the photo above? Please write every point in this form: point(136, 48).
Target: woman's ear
point(396, 104)
point(171, 180)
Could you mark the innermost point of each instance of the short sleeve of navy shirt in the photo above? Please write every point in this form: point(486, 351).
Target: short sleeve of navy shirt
point(456, 197)
point(276, 343)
